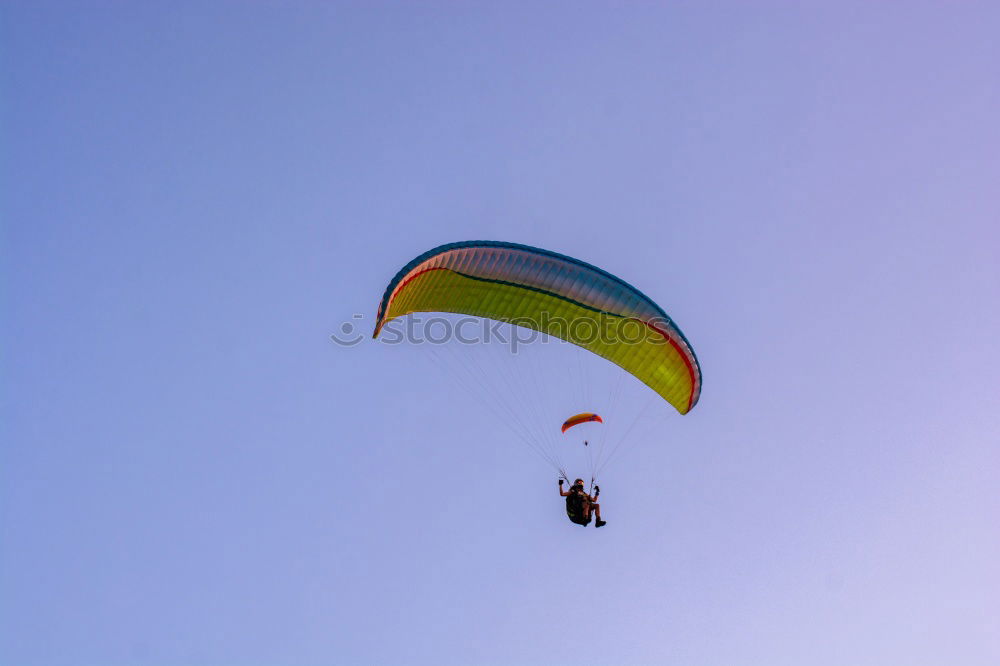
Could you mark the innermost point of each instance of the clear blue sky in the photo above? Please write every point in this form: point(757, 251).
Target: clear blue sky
point(196, 195)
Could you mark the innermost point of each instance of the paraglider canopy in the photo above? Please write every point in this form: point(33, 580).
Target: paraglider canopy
point(553, 294)
point(585, 417)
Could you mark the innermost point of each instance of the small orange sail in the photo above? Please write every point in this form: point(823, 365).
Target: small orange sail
point(580, 418)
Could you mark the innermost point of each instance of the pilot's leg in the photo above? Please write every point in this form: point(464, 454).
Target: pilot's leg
point(597, 512)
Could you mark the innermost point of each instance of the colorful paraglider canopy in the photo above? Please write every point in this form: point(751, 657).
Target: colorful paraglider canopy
point(557, 295)
point(586, 417)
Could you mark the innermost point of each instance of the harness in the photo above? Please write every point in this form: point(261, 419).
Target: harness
point(576, 504)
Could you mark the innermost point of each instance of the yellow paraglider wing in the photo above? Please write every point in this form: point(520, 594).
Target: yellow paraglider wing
point(554, 294)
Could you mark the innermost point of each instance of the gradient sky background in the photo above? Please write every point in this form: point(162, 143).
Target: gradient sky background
point(195, 196)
